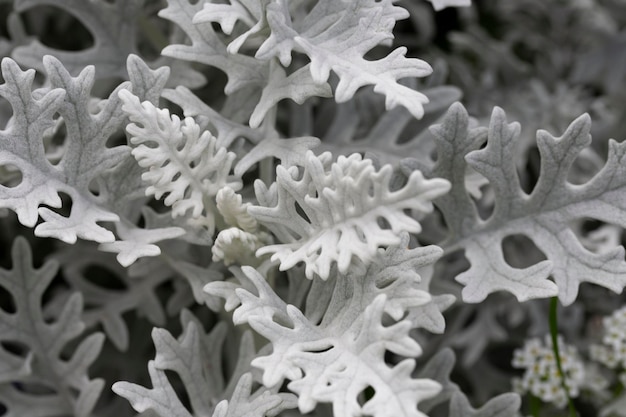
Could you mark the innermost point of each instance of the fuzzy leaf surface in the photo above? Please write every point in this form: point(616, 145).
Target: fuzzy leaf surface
point(335, 35)
point(332, 354)
point(264, 82)
point(113, 26)
point(182, 162)
point(196, 357)
point(106, 306)
point(85, 156)
point(545, 215)
point(70, 391)
point(329, 213)
point(85, 160)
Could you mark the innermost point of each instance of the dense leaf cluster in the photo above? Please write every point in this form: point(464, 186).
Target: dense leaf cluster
point(309, 207)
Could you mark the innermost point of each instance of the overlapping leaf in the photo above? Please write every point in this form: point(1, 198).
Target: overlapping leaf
point(439, 368)
point(93, 274)
point(329, 213)
point(244, 72)
point(86, 161)
point(182, 162)
point(44, 381)
point(240, 241)
point(113, 26)
point(85, 156)
point(197, 359)
point(119, 29)
point(334, 35)
point(335, 350)
point(207, 47)
point(362, 125)
point(544, 215)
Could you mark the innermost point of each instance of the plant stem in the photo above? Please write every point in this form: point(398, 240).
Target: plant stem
point(534, 405)
point(555, 348)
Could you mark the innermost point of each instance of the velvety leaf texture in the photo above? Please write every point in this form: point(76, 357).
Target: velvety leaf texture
point(359, 25)
point(113, 26)
point(544, 215)
point(276, 208)
point(40, 381)
point(183, 163)
point(334, 35)
point(105, 305)
point(329, 212)
point(338, 359)
point(86, 158)
point(196, 357)
point(22, 144)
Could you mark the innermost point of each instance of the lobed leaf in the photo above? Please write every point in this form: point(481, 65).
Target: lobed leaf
point(183, 163)
point(330, 212)
point(197, 359)
point(336, 351)
point(334, 35)
point(113, 26)
point(545, 215)
point(85, 156)
point(43, 362)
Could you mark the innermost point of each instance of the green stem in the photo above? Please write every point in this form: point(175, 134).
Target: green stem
point(534, 405)
point(555, 348)
point(619, 388)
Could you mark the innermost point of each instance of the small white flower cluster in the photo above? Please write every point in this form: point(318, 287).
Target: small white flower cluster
point(542, 377)
point(612, 351)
